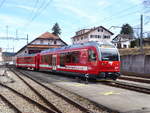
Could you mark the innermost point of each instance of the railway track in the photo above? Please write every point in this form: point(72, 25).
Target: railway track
point(68, 100)
point(136, 75)
point(135, 79)
point(41, 96)
point(129, 86)
point(15, 109)
point(18, 97)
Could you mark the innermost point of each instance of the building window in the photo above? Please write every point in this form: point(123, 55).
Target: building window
point(55, 42)
point(105, 36)
point(124, 46)
point(99, 36)
point(41, 41)
point(101, 30)
point(91, 36)
point(98, 30)
point(81, 38)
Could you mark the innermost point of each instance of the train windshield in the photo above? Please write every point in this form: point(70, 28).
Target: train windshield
point(109, 55)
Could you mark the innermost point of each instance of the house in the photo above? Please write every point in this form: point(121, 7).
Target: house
point(8, 57)
point(94, 34)
point(146, 42)
point(45, 41)
point(122, 41)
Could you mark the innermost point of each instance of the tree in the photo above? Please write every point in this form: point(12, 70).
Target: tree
point(56, 29)
point(126, 30)
point(135, 43)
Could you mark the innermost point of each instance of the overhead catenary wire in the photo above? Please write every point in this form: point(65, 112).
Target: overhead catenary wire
point(122, 15)
point(34, 8)
point(120, 12)
point(38, 12)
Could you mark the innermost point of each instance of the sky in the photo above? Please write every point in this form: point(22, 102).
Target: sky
point(34, 17)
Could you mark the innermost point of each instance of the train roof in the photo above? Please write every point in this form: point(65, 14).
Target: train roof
point(26, 55)
point(92, 43)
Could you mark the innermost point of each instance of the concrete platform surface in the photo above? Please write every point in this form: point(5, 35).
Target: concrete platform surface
point(118, 99)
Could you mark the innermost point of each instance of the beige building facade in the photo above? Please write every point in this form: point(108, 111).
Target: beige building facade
point(98, 34)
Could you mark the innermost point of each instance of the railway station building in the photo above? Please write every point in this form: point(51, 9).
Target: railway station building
point(100, 34)
point(45, 41)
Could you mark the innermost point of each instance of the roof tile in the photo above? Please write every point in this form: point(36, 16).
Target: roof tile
point(48, 35)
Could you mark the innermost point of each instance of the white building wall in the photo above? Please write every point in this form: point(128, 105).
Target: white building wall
point(23, 52)
point(47, 42)
point(96, 36)
point(127, 43)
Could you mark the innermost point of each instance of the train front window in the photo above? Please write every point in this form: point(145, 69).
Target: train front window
point(109, 55)
point(91, 55)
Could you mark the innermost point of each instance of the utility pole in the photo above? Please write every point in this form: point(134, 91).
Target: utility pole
point(141, 33)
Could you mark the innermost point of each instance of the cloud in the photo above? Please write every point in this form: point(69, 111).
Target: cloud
point(136, 1)
point(25, 7)
point(21, 6)
point(78, 12)
point(103, 3)
point(11, 20)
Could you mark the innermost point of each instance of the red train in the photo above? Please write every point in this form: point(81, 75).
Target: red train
point(92, 60)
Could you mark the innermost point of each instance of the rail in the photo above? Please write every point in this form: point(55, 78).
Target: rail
point(77, 105)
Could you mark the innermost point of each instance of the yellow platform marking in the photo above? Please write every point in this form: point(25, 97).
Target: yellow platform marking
point(109, 93)
point(80, 85)
point(75, 85)
point(104, 80)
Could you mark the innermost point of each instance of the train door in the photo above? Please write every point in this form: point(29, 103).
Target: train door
point(54, 60)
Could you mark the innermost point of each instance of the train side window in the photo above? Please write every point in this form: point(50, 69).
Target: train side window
point(50, 59)
point(42, 59)
point(75, 57)
point(91, 55)
point(68, 57)
point(62, 59)
point(46, 59)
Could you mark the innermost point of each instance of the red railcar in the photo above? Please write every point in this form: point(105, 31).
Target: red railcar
point(26, 61)
point(92, 60)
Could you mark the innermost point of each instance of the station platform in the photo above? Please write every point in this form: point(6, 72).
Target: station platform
point(121, 100)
